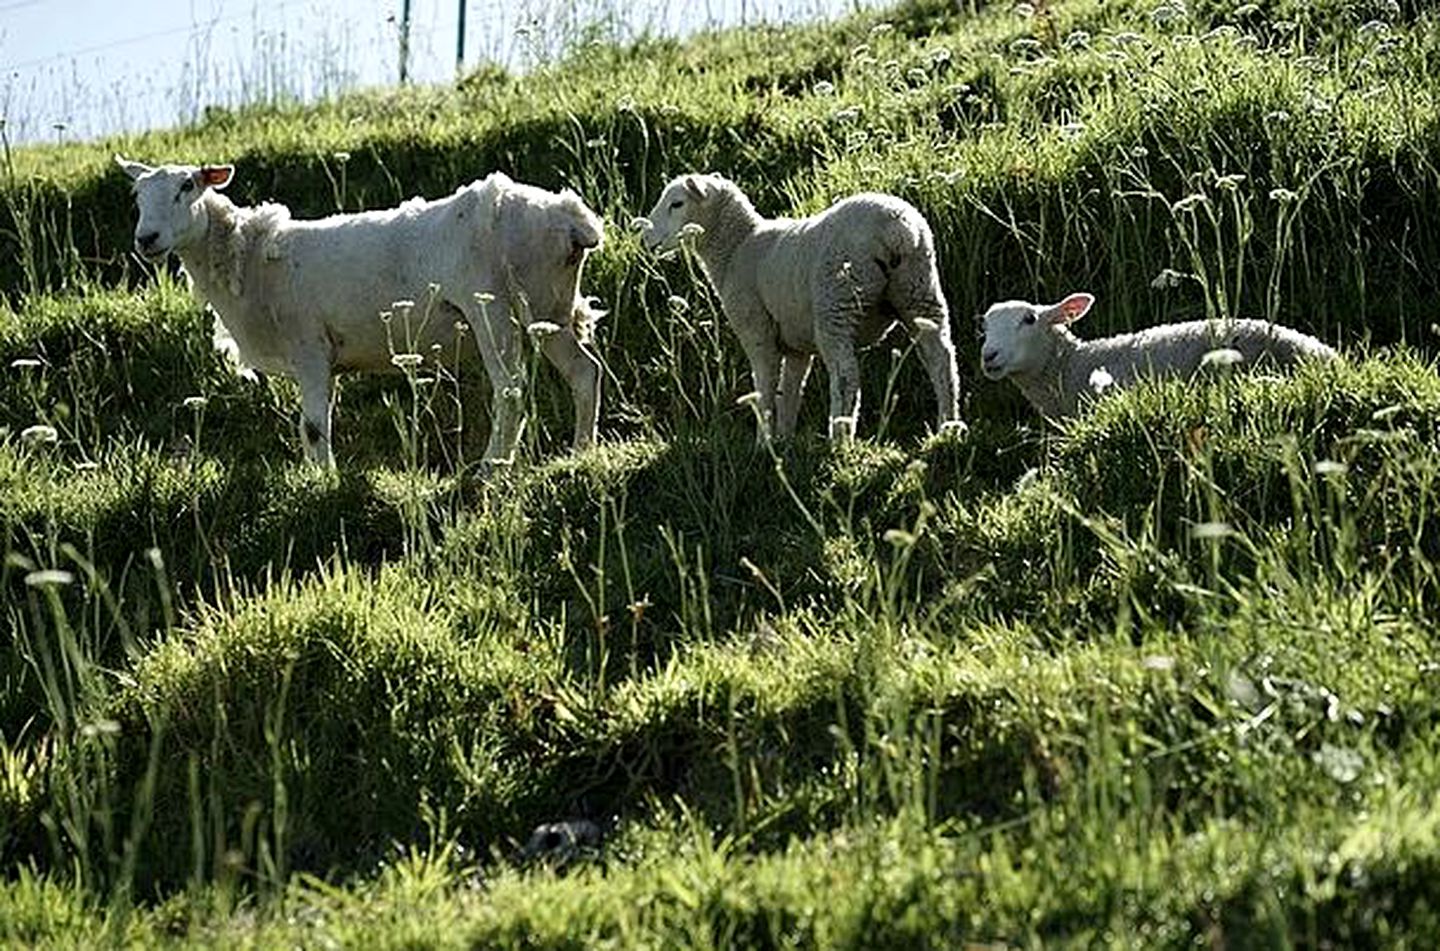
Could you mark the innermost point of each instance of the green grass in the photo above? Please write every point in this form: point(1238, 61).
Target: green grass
point(1156, 678)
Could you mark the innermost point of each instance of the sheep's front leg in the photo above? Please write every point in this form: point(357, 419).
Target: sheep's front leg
point(794, 369)
point(764, 357)
point(498, 339)
point(312, 371)
point(581, 369)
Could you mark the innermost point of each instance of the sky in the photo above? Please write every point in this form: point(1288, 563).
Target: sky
point(80, 69)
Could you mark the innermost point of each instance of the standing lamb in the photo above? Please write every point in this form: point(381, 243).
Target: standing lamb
point(1033, 346)
point(305, 298)
point(827, 284)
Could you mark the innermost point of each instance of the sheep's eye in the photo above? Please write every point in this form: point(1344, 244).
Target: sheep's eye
point(187, 185)
point(1028, 319)
point(677, 204)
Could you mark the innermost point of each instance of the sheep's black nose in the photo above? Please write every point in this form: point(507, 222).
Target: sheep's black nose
point(147, 240)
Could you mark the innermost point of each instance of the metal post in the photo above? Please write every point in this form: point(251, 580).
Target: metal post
point(405, 43)
point(460, 41)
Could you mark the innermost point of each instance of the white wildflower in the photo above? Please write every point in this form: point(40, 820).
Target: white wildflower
point(47, 577)
point(1166, 279)
point(899, 538)
point(1189, 202)
point(1222, 357)
point(541, 329)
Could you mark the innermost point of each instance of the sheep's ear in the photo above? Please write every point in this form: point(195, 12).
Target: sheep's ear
point(1070, 309)
point(696, 186)
point(133, 169)
point(585, 233)
point(215, 176)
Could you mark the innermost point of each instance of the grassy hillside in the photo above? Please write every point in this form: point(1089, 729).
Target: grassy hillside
point(1160, 677)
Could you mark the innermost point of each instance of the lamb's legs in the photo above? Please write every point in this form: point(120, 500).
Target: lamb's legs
point(937, 351)
point(581, 369)
point(312, 372)
point(838, 353)
point(498, 339)
point(839, 311)
point(794, 369)
point(758, 341)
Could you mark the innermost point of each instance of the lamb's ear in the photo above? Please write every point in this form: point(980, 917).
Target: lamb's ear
point(132, 169)
point(215, 176)
point(697, 186)
point(586, 232)
point(1070, 309)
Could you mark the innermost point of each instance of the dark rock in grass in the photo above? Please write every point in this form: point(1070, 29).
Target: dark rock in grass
point(559, 843)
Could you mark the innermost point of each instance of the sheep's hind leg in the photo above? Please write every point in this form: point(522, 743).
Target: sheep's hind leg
point(312, 371)
point(839, 312)
point(937, 351)
point(838, 353)
point(794, 369)
point(581, 369)
point(914, 291)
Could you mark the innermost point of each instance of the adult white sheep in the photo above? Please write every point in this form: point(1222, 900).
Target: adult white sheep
point(305, 298)
point(792, 288)
point(1032, 345)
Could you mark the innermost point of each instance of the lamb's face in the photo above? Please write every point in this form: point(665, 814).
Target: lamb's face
point(681, 203)
point(1020, 336)
point(1015, 339)
point(168, 201)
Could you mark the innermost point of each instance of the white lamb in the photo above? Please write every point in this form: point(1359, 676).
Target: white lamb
point(827, 284)
point(1032, 345)
point(305, 298)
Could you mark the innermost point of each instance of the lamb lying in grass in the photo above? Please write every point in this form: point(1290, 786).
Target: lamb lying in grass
point(825, 284)
point(1032, 345)
point(305, 298)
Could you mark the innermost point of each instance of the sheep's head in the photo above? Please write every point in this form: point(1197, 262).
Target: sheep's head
point(683, 202)
point(1019, 335)
point(548, 236)
point(168, 200)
